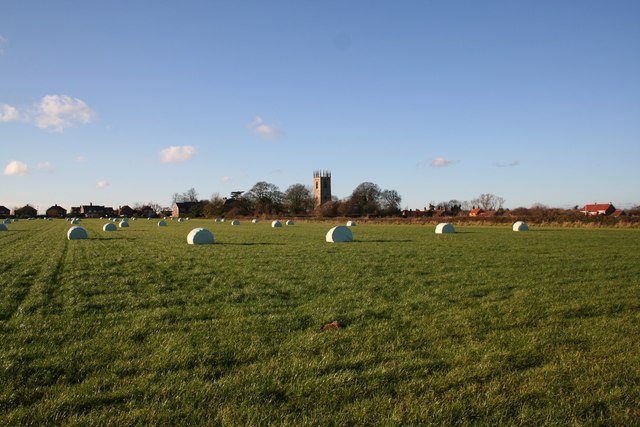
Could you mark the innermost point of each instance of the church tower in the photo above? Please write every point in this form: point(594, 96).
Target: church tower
point(321, 187)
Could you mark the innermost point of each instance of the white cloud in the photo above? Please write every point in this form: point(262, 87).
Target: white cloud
point(225, 179)
point(102, 184)
point(59, 112)
point(440, 162)
point(260, 128)
point(45, 166)
point(81, 158)
point(16, 167)
point(8, 113)
point(177, 154)
point(2, 41)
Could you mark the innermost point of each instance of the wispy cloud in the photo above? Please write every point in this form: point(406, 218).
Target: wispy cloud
point(440, 162)
point(59, 112)
point(508, 165)
point(225, 179)
point(177, 154)
point(45, 166)
point(16, 167)
point(264, 130)
point(81, 158)
point(3, 41)
point(102, 184)
point(8, 113)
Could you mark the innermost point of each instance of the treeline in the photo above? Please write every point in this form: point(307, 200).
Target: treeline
point(266, 199)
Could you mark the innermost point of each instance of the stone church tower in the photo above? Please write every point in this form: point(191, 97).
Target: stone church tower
point(321, 187)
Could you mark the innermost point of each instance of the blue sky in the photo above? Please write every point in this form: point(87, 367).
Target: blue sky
point(125, 102)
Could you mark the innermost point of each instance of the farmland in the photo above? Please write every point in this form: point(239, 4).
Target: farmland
point(486, 326)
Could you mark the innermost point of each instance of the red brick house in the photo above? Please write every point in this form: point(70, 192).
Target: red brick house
point(187, 209)
point(598, 209)
point(27, 211)
point(56, 211)
point(125, 211)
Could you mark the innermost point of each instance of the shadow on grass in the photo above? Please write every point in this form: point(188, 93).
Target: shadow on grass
point(251, 244)
point(382, 241)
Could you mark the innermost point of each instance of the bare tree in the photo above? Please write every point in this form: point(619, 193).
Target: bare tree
point(298, 199)
point(488, 202)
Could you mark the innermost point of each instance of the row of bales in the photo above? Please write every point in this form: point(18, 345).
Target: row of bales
point(336, 234)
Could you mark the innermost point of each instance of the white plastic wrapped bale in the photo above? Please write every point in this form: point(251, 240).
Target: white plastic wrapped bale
point(235, 222)
point(290, 222)
point(3, 227)
point(7, 221)
point(162, 223)
point(276, 224)
point(520, 226)
point(75, 221)
point(351, 223)
point(180, 219)
point(339, 234)
point(77, 233)
point(200, 236)
point(255, 220)
point(16, 220)
point(445, 228)
point(124, 224)
point(109, 227)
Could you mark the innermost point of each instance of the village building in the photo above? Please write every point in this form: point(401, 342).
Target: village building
point(4, 211)
point(56, 211)
point(598, 209)
point(26, 211)
point(187, 209)
point(125, 211)
point(618, 213)
point(145, 212)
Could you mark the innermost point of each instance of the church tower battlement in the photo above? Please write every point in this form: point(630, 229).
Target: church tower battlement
point(321, 187)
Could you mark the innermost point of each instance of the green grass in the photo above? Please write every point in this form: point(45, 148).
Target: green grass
point(486, 326)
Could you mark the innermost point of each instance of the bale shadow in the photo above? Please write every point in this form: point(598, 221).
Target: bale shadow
point(250, 244)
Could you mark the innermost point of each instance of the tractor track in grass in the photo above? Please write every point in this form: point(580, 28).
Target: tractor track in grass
point(42, 271)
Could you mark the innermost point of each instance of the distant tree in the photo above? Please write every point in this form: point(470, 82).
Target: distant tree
point(266, 198)
point(365, 199)
point(191, 195)
point(298, 199)
point(488, 202)
point(390, 202)
point(214, 207)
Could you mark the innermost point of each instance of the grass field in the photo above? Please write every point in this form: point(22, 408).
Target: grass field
point(486, 326)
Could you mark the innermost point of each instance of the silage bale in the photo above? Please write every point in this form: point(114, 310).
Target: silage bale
point(339, 234)
point(200, 236)
point(235, 222)
point(351, 223)
point(444, 228)
point(124, 224)
point(290, 222)
point(162, 223)
point(3, 227)
point(77, 233)
point(109, 227)
point(520, 226)
point(255, 220)
point(276, 224)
